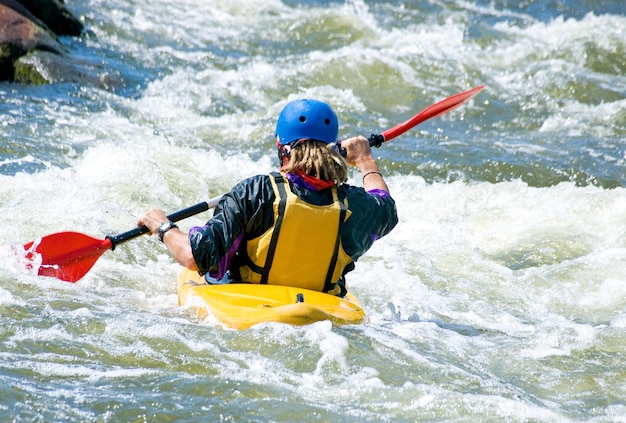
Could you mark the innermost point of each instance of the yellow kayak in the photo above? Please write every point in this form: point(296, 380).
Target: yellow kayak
point(242, 305)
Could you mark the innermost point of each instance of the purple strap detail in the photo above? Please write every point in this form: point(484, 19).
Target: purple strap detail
point(379, 192)
point(299, 181)
point(224, 262)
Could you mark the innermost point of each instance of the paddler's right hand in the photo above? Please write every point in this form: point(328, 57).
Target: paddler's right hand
point(357, 150)
point(359, 154)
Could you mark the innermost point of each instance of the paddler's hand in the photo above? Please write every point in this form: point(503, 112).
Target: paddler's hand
point(359, 154)
point(358, 150)
point(152, 220)
point(176, 241)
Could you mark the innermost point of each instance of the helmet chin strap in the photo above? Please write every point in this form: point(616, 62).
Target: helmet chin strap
point(284, 153)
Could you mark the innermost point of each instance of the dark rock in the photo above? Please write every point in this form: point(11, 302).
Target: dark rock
point(30, 51)
point(19, 34)
point(43, 67)
point(55, 15)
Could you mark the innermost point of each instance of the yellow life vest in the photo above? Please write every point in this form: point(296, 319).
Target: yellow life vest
point(303, 247)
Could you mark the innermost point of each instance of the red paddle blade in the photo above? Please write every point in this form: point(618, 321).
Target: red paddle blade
point(439, 108)
point(65, 255)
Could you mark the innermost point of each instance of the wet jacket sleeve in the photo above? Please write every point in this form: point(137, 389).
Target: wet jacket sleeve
point(373, 216)
point(240, 211)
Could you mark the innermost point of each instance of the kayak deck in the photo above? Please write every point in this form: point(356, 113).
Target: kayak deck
point(242, 305)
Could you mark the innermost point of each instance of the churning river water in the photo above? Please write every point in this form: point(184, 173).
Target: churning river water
point(507, 271)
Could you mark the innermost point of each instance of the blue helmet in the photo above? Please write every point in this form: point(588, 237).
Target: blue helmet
point(307, 119)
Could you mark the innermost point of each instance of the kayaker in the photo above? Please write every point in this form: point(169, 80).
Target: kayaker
point(303, 226)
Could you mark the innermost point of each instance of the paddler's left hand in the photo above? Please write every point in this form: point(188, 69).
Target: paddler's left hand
point(176, 241)
point(152, 220)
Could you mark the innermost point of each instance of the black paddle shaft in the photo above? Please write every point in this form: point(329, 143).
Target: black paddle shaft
point(174, 217)
point(376, 140)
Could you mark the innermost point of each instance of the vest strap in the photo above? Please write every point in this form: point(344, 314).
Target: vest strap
point(329, 284)
point(280, 185)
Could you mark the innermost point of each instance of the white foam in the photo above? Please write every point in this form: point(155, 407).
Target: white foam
point(494, 284)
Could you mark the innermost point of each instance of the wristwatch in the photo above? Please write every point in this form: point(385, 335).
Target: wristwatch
point(166, 226)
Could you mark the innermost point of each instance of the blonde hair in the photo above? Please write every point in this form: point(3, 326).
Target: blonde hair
point(317, 159)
